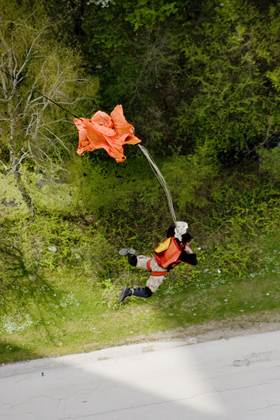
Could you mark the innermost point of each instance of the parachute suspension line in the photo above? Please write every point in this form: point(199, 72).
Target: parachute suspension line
point(161, 180)
point(41, 94)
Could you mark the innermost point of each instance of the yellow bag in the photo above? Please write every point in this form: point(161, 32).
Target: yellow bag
point(163, 246)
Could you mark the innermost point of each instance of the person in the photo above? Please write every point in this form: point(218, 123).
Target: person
point(175, 249)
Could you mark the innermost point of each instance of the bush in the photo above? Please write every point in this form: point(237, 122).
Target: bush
point(270, 162)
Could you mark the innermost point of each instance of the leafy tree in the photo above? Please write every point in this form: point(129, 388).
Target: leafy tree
point(232, 68)
point(36, 72)
point(133, 47)
point(186, 72)
point(139, 64)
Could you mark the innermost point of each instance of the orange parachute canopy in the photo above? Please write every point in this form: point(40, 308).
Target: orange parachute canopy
point(105, 132)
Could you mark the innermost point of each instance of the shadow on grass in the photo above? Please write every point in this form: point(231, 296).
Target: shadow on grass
point(10, 353)
point(26, 296)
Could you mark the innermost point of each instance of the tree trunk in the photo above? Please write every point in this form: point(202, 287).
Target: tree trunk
point(23, 190)
point(16, 161)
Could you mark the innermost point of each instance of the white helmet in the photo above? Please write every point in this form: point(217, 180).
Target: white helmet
point(180, 229)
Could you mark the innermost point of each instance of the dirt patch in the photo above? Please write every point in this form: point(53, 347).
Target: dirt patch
point(214, 330)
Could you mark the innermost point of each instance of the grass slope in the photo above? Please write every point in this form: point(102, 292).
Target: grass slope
point(70, 314)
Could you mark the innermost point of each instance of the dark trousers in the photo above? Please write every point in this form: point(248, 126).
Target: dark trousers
point(132, 259)
point(142, 292)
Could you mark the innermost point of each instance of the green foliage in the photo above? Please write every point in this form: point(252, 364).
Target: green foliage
point(38, 76)
point(107, 211)
point(187, 73)
point(130, 46)
point(147, 13)
point(270, 162)
point(230, 60)
point(189, 176)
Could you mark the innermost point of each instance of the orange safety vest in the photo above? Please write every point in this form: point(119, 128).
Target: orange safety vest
point(167, 252)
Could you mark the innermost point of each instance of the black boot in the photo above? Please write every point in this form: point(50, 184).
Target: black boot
point(125, 292)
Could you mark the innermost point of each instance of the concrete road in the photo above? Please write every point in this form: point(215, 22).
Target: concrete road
point(232, 379)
